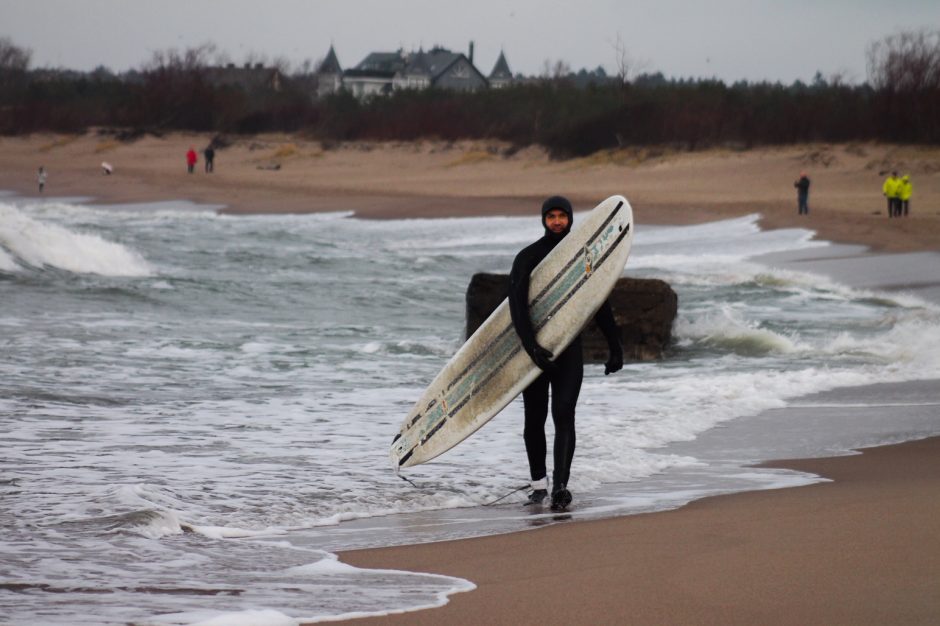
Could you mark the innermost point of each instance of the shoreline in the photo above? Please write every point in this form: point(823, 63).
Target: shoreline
point(861, 548)
point(703, 580)
point(288, 174)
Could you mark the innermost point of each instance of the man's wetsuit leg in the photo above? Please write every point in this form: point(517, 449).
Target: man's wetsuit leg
point(566, 386)
point(565, 383)
point(535, 401)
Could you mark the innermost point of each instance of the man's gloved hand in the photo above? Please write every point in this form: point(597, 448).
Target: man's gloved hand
point(542, 358)
point(615, 360)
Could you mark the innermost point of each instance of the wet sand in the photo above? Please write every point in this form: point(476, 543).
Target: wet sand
point(862, 549)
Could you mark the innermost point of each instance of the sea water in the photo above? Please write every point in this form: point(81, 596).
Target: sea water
point(197, 408)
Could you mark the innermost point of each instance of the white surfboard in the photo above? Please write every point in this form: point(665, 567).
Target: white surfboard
point(565, 291)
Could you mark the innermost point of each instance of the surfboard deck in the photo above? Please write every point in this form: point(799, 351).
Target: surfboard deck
point(492, 368)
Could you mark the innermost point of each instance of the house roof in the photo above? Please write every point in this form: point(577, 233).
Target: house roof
point(382, 62)
point(330, 64)
point(439, 61)
point(435, 63)
point(501, 69)
point(418, 64)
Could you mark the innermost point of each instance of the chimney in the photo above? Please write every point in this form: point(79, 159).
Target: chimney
point(471, 52)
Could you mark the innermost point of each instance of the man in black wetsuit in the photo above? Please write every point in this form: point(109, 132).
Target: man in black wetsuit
point(563, 374)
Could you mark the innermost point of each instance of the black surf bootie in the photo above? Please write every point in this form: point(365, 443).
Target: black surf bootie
point(561, 498)
point(537, 496)
point(539, 491)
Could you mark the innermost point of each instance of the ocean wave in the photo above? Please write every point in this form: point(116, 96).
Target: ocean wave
point(7, 264)
point(33, 243)
point(728, 330)
point(417, 348)
point(912, 342)
point(147, 522)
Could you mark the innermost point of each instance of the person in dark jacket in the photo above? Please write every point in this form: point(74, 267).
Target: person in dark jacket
point(562, 374)
point(209, 154)
point(802, 193)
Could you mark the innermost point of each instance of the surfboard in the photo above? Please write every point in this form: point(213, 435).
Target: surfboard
point(565, 291)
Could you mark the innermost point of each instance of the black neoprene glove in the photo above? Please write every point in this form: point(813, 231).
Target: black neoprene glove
point(542, 358)
point(615, 360)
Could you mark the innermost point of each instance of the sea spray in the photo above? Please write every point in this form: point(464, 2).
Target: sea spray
point(31, 242)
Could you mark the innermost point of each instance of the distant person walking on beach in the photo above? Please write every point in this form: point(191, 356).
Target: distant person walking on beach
point(191, 159)
point(905, 189)
point(209, 153)
point(41, 178)
point(802, 193)
point(563, 374)
point(890, 190)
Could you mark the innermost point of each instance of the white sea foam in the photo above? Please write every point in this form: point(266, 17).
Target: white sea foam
point(7, 264)
point(727, 329)
point(227, 417)
point(42, 244)
point(258, 617)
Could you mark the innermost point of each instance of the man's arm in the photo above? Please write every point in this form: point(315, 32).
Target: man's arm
point(519, 311)
point(608, 325)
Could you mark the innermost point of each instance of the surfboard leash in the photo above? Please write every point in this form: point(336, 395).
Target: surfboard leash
point(407, 480)
point(507, 495)
point(499, 499)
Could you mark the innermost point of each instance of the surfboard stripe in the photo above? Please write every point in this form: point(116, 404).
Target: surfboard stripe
point(462, 395)
point(541, 294)
point(490, 360)
point(574, 258)
point(569, 294)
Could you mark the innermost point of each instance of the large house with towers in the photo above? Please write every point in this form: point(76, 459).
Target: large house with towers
point(381, 73)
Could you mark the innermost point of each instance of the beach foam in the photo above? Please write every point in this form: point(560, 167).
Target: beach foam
point(225, 415)
point(31, 242)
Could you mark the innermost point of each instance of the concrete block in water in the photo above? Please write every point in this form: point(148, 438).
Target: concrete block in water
point(644, 308)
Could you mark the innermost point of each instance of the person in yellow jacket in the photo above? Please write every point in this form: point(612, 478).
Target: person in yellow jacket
point(905, 189)
point(890, 190)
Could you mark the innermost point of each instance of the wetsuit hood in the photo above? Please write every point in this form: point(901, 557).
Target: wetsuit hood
point(557, 202)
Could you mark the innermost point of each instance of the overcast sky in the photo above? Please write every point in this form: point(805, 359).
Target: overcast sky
point(727, 39)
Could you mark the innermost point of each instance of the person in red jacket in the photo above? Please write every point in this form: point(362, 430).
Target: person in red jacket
point(191, 159)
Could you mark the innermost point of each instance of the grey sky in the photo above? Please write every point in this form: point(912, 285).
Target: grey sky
point(727, 39)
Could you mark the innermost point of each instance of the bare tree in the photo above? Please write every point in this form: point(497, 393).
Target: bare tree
point(221, 59)
point(560, 70)
point(906, 62)
point(282, 64)
point(190, 59)
point(307, 67)
point(13, 58)
point(555, 70)
point(842, 77)
point(627, 66)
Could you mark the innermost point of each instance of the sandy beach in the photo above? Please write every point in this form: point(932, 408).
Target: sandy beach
point(273, 173)
point(861, 549)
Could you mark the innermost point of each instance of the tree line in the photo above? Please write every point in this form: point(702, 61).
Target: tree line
point(562, 112)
